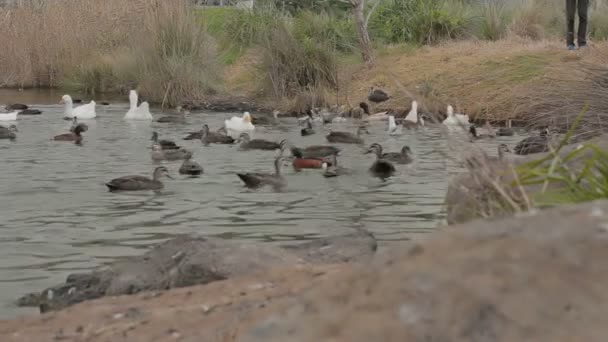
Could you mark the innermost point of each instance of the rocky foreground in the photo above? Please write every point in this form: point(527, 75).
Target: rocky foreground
point(539, 277)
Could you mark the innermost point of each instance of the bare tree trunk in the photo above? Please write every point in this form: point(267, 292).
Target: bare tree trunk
point(362, 34)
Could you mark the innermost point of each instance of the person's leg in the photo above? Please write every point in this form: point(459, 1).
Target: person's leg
point(583, 6)
point(570, 12)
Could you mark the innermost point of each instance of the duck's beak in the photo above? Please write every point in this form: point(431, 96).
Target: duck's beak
point(368, 152)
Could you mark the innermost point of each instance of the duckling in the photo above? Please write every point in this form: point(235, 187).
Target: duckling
point(403, 157)
point(30, 112)
point(300, 162)
point(259, 119)
point(75, 134)
point(534, 144)
point(133, 183)
point(308, 130)
point(381, 168)
point(347, 137)
point(165, 144)
point(258, 180)
point(315, 151)
point(474, 136)
point(219, 137)
point(260, 144)
point(377, 95)
point(8, 133)
point(159, 154)
point(190, 167)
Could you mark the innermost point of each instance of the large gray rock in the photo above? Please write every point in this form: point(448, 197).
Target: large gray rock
point(540, 277)
point(189, 260)
point(472, 195)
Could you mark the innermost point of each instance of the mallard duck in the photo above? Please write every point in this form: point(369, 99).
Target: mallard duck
point(535, 144)
point(16, 106)
point(30, 112)
point(411, 119)
point(403, 157)
point(315, 151)
point(165, 144)
point(133, 183)
point(257, 180)
point(260, 119)
point(190, 167)
point(235, 126)
point(347, 137)
point(381, 168)
point(8, 133)
point(74, 135)
point(393, 128)
point(135, 112)
point(159, 154)
point(377, 95)
point(83, 112)
point(455, 119)
point(218, 137)
point(308, 130)
point(259, 144)
point(300, 162)
point(474, 136)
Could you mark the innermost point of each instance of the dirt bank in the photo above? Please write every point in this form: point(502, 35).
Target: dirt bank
point(538, 277)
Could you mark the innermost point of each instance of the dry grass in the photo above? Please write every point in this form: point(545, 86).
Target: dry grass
point(41, 42)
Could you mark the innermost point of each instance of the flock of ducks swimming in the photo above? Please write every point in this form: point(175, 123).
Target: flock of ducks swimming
point(238, 130)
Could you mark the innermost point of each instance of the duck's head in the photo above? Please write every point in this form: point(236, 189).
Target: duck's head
point(66, 99)
point(81, 127)
point(544, 132)
point(405, 150)
point(160, 172)
point(502, 149)
point(473, 130)
point(365, 107)
point(374, 148)
point(157, 147)
point(283, 145)
point(13, 128)
point(247, 117)
point(154, 136)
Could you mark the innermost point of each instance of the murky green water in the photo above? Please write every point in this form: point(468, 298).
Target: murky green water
point(57, 216)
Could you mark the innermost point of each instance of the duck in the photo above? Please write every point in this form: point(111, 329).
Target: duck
point(16, 106)
point(393, 128)
point(235, 126)
point(135, 112)
point(347, 137)
point(300, 162)
point(8, 133)
point(332, 169)
point(159, 154)
point(359, 111)
point(74, 135)
point(381, 168)
point(180, 117)
point(9, 116)
point(135, 183)
point(83, 112)
point(455, 119)
point(266, 119)
point(74, 124)
point(30, 112)
point(377, 95)
point(534, 144)
point(411, 119)
point(315, 151)
point(259, 144)
point(308, 130)
point(403, 157)
point(190, 167)
point(474, 136)
point(215, 137)
point(258, 180)
point(165, 144)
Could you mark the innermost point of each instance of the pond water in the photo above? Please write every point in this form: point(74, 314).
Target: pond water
point(57, 217)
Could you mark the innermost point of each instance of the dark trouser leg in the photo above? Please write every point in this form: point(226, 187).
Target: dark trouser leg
point(583, 6)
point(570, 12)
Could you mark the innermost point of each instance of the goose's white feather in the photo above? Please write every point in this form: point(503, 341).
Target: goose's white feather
point(455, 119)
point(9, 116)
point(83, 112)
point(412, 116)
point(141, 112)
point(393, 128)
point(236, 126)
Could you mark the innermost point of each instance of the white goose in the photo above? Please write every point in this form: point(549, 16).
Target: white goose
point(393, 128)
point(9, 116)
point(236, 126)
point(137, 113)
point(455, 119)
point(83, 112)
point(411, 120)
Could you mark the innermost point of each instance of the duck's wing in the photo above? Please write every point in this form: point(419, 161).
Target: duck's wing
point(190, 167)
point(193, 136)
point(134, 182)
point(168, 144)
point(251, 180)
point(219, 138)
point(263, 144)
point(65, 137)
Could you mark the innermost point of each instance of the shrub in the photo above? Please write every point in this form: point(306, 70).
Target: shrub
point(337, 34)
point(491, 20)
